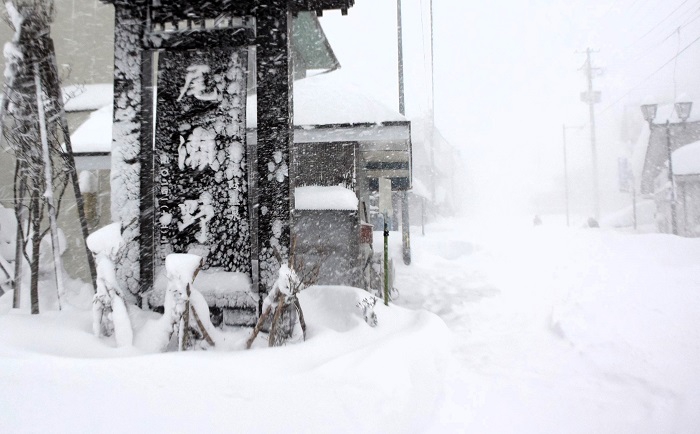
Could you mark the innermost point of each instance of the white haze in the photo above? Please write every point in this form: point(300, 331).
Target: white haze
point(507, 78)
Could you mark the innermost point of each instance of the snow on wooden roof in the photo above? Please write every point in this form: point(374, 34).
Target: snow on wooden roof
point(87, 97)
point(315, 197)
point(95, 134)
point(322, 100)
point(331, 99)
point(686, 160)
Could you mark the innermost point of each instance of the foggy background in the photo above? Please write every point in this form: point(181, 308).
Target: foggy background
point(507, 77)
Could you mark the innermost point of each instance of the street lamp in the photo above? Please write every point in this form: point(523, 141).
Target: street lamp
point(683, 112)
point(649, 112)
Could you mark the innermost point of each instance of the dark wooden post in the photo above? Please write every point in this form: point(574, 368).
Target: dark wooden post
point(126, 136)
point(146, 222)
point(275, 134)
point(405, 228)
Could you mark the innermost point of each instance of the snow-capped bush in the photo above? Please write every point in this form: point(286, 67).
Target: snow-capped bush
point(282, 302)
point(186, 313)
point(109, 314)
point(367, 308)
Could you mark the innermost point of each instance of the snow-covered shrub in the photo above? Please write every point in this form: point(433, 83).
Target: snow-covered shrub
point(282, 302)
point(108, 309)
point(366, 305)
point(186, 313)
point(285, 318)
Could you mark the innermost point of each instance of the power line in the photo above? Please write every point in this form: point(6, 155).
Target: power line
point(663, 20)
point(626, 51)
point(675, 32)
point(681, 25)
point(649, 76)
point(612, 6)
point(647, 52)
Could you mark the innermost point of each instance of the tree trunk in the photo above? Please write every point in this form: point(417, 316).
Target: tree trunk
point(21, 217)
point(272, 340)
point(300, 313)
point(36, 241)
point(205, 333)
point(258, 326)
point(57, 98)
point(48, 180)
point(185, 330)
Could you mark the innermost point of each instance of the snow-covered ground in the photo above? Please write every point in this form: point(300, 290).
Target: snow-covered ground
point(550, 330)
point(560, 330)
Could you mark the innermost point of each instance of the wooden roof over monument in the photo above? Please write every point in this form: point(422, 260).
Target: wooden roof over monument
point(163, 11)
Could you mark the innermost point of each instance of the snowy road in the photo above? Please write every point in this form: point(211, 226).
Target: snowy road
point(561, 330)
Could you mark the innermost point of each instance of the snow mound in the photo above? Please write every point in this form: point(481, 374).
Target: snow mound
point(624, 218)
point(334, 307)
point(346, 377)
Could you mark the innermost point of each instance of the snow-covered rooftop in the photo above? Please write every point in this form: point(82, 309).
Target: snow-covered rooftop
point(86, 97)
point(325, 99)
point(686, 160)
point(335, 197)
point(95, 134)
point(328, 99)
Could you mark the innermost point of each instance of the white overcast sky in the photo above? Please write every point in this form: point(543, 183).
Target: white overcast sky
point(506, 79)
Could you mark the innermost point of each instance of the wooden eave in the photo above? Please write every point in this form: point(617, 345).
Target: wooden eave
point(169, 10)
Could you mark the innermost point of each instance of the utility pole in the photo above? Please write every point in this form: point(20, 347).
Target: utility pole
point(405, 224)
point(566, 176)
point(399, 35)
point(671, 179)
point(432, 124)
point(591, 98)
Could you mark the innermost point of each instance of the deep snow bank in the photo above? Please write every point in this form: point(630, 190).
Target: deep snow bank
point(347, 376)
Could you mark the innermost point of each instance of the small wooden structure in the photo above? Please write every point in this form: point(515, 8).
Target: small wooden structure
point(194, 52)
point(341, 138)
